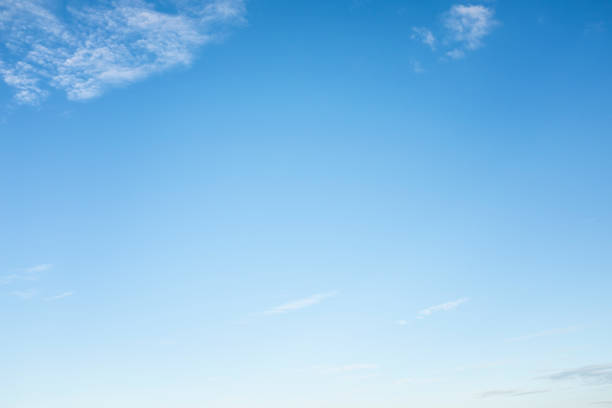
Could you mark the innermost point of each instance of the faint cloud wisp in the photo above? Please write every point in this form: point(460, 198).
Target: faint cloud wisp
point(593, 374)
point(301, 303)
point(444, 307)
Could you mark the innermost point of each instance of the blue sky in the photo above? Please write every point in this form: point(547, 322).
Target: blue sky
point(305, 203)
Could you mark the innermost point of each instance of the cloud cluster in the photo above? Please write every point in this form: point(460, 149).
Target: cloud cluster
point(468, 25)
point(465, 27)
point(93, 47)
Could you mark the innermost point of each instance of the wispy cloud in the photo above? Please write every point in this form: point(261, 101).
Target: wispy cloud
point(465, 27)
point(301, 303)
point(6, 279)
point(510, 393)
point(602, 403)
point(544, 333)
point(425, 36)
point(60, 296)
point(37, 269)
point(444, 307)
point(91, 48)
point(417, 67)
point(469, 24)
point(31, 273)
point(592, 374)
point(25, 294)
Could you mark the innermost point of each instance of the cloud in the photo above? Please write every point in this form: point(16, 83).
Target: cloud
point(602, 403)
point(464, 29)
point(544, 333)
point(26, 274)
point(417, 68)
point(402, 322)
point(6, 279)
point(469, 24)
point(425, 36)
point(592, 374)
point(510, 393)
point(38, 268)
point(455, 54)
point(301, 303)
point(25, 294)
point(444, 307)
point(92, 48)
point(60, 296)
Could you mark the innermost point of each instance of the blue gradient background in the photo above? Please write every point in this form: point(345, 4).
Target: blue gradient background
point(300, 156)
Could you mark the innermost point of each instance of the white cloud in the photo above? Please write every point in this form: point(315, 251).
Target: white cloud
point(544, 333)
point(425, 36)
point(455, 53)
point(38, 268)
point(465, 27)
point(301, 303)
point(60, 296)
point(444, 307)
point(469, 24)
point(402, 322)
point(6, 279)
point(25, 294)
point(28, 274)
point(93, 48)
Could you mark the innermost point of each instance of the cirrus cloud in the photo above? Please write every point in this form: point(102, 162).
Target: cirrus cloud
point(91, 48)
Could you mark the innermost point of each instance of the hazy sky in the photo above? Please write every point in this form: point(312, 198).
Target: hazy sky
point(290, 203)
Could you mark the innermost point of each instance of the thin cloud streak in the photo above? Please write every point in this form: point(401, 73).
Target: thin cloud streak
point(543, 333)
point(26, 274)
point(510, 393)
point(301, 303)
point(38, 268)
point(599, 374)
point(60, 296)
point(25, 294)
point(444, 307)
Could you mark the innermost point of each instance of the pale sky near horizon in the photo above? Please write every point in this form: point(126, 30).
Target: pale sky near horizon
point(334, 204)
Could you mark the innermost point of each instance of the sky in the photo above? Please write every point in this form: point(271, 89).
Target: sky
point(331, 204)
